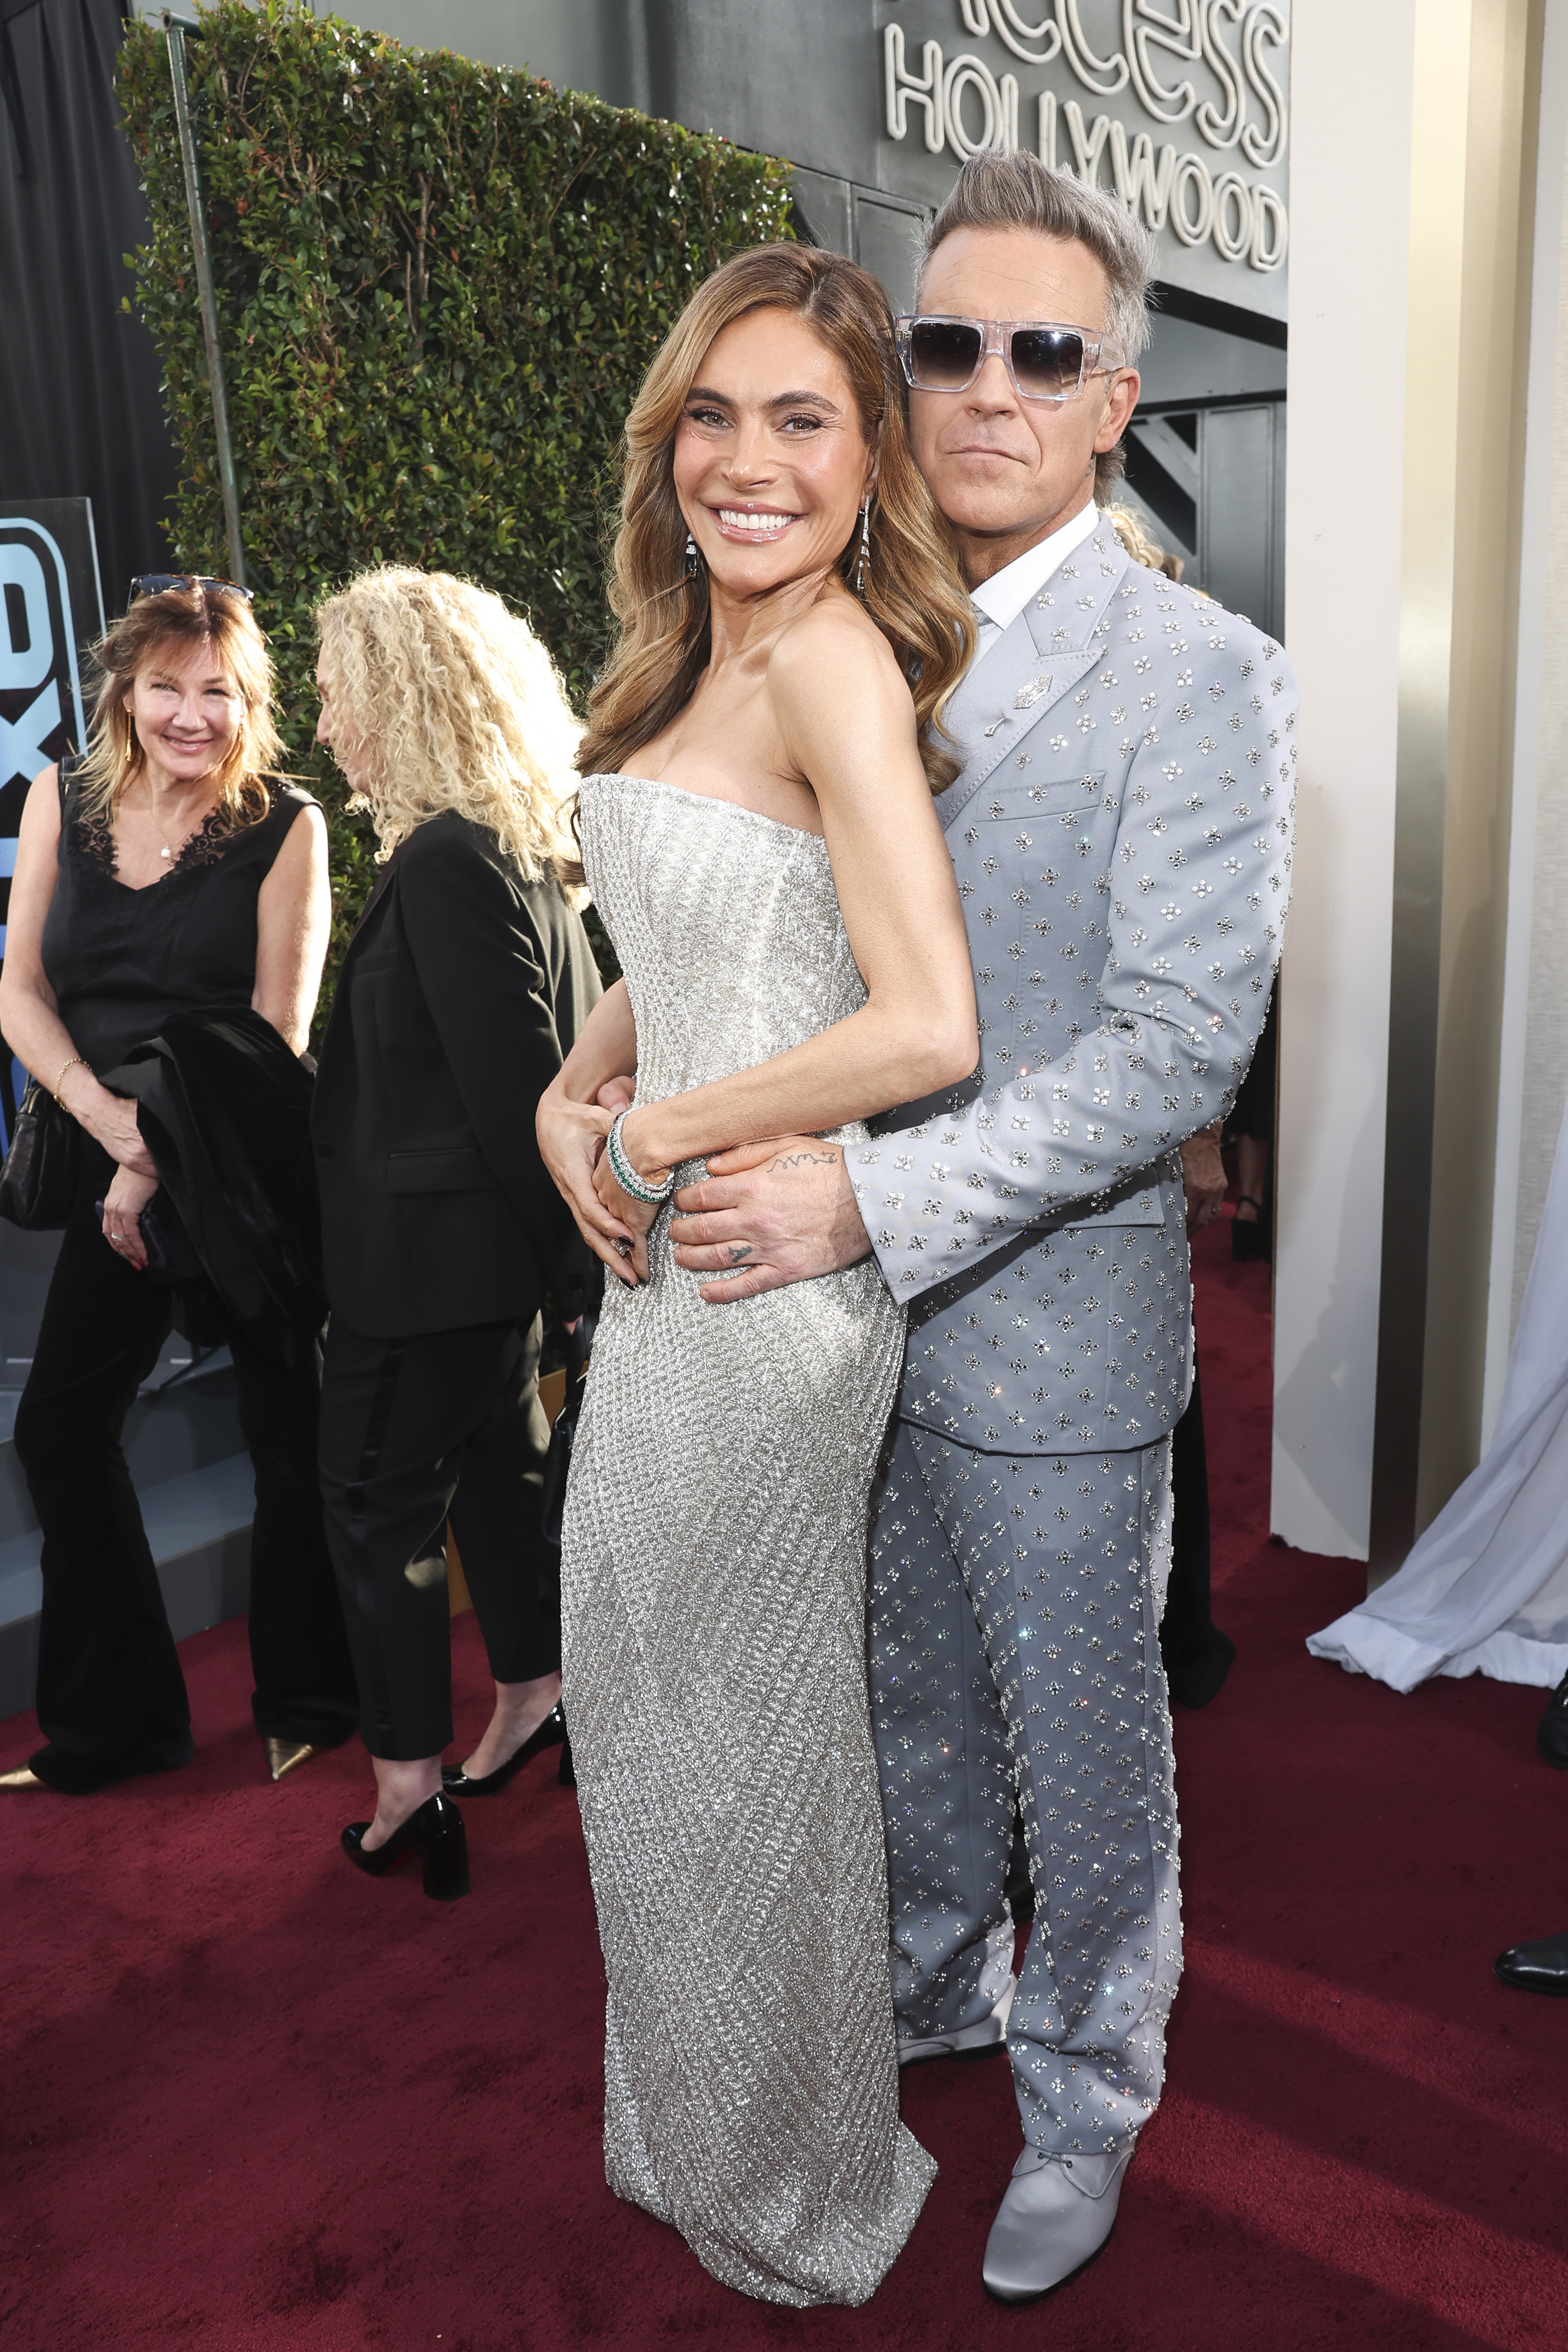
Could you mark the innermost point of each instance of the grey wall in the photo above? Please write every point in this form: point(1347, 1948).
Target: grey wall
point(810, 80)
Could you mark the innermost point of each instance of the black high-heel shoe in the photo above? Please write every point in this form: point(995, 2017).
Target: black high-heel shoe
point(436, 1832)
point(552, 1733)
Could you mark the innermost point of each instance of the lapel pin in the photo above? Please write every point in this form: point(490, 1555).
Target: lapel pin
point(1028, 696)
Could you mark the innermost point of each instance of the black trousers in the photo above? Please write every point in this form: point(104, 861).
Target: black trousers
point(111, 1698)
point(445, 1424)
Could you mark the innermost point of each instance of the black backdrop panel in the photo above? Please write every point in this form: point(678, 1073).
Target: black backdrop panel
point(80, 411)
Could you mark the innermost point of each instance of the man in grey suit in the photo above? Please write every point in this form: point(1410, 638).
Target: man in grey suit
point(1121, 832)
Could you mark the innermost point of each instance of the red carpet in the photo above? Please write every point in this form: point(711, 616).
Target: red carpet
point(253, 2103)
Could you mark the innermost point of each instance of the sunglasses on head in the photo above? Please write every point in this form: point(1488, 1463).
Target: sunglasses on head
point(1045, 362)
point(153, 583)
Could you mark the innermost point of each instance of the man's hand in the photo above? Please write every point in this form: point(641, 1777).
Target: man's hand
point(1202, 1177)
point(777, 1212)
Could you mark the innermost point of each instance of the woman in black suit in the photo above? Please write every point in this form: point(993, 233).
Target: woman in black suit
point(461, 994)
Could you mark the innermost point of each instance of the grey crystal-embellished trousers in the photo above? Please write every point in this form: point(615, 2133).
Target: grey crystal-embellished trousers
point(1014, 1631)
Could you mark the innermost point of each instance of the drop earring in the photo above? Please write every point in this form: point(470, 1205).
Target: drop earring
point(864, 557)
point(693, 561)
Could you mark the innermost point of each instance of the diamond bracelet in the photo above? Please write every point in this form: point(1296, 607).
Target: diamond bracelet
point(637, 1187)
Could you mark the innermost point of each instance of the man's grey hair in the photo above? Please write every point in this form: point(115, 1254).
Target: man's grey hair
point(1020, 192)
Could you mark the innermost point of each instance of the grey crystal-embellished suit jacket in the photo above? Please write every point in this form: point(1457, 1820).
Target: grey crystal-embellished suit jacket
point(1121, 833)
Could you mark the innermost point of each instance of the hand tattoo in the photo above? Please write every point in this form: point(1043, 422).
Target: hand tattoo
point(805, 1159)
point(741, 1250)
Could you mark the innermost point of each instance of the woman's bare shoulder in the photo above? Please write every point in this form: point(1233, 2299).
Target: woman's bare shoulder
point(834, 645)
point(41, 809)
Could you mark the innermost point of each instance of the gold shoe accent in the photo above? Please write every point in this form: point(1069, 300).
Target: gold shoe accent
point(284, 1755)
point(24, 1777)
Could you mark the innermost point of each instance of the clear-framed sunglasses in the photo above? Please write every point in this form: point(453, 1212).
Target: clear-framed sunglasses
point(1045, 361)
point(153, 583)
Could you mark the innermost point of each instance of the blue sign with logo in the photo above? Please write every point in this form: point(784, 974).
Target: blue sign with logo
point(51, 609)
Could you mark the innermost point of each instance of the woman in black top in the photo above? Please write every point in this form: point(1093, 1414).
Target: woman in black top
point(460, 996)
point(162, 874)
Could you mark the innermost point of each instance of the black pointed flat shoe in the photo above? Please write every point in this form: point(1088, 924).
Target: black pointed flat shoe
point(552, 1733)
point(433, 1833)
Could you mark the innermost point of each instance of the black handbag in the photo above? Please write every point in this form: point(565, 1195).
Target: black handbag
point(39, 1179)
point(558, 1461)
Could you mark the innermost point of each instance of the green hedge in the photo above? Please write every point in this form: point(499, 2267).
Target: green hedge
point(438, 286)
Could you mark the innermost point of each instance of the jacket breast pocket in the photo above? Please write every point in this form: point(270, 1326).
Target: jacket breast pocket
point(1029, 874)
point(460, 1171)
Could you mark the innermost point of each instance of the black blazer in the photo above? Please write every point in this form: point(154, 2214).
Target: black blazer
point(459, 998)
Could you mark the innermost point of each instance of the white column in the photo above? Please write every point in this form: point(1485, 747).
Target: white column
point(1534, 1063)
point(1351, 69)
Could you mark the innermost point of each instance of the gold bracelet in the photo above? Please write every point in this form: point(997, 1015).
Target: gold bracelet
point(76, 1060)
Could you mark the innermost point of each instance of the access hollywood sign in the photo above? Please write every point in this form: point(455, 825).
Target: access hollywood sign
point(1221, 66)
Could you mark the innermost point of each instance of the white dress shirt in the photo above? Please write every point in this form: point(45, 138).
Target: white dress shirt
point(999, 601)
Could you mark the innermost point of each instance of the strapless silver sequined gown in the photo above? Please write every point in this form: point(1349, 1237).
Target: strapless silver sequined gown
point(713, 1575)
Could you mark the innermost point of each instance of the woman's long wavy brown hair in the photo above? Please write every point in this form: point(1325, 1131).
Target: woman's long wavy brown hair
point(913, 588)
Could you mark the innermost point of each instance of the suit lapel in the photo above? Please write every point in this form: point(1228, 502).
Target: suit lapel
point(365, 927)
point(1041, 657)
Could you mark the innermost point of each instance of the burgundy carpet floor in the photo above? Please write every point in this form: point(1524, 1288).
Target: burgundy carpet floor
point(251, 2102)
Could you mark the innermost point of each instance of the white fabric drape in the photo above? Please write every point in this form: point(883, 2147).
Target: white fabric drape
point(1485, 1590)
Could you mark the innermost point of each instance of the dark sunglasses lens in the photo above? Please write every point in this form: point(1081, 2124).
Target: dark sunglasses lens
point(943, 353)
point(153, 583)
point(1047, 362)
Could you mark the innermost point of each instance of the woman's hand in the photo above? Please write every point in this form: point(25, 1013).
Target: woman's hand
point(127, 1197)
point(110, 1119)
point(636, 1216)
point(571, 1142)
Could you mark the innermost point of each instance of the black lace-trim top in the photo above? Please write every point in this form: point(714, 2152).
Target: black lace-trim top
point(92, 840)
point(120, 960)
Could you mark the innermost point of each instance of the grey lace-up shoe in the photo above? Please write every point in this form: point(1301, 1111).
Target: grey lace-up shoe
point(1057, 2214)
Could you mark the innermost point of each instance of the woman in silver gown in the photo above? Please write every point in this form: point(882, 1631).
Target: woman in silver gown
point(758, 837)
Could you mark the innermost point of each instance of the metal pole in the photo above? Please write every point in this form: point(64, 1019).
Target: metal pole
point(176, 39)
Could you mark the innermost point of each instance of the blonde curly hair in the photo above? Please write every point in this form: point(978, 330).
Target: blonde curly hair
point(454, 704)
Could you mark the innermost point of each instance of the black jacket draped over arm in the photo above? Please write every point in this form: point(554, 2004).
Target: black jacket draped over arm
point(459, 998)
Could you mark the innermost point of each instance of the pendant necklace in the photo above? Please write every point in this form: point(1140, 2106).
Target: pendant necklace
point(165, 852)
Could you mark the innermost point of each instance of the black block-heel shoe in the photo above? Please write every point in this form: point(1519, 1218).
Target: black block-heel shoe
point(433, 1833)
point(552, 1733)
